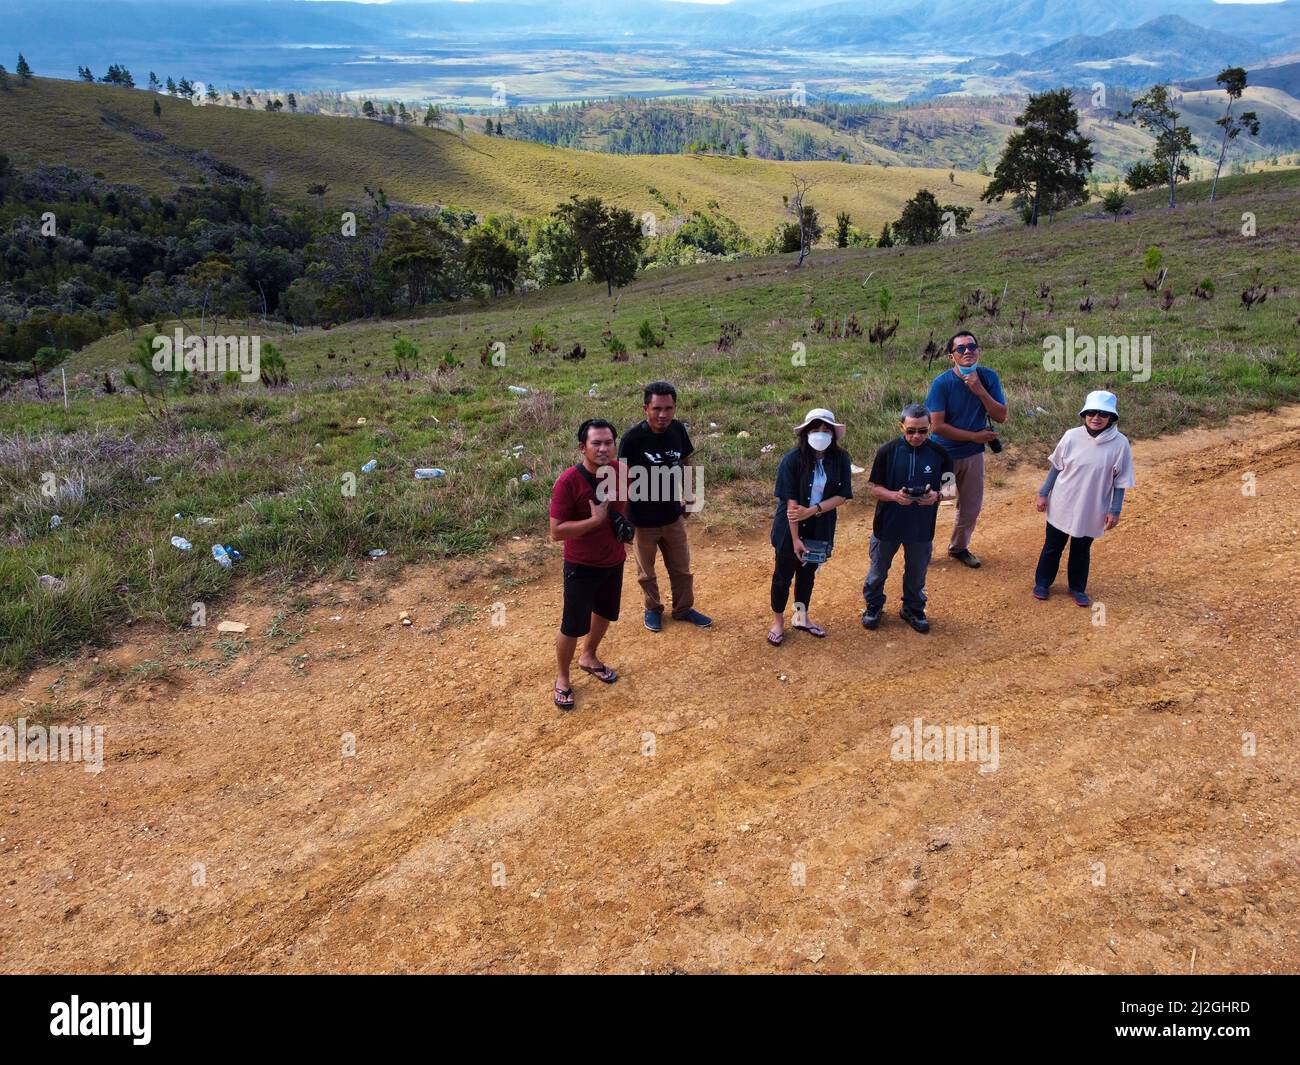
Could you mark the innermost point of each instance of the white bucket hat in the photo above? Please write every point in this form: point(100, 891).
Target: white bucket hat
point(1102, 401)
point(821, 414)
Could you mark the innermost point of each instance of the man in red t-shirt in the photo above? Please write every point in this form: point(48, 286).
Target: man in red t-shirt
point(583, 504)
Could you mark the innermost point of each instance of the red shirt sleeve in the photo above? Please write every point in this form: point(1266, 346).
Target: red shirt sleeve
point(562, 497)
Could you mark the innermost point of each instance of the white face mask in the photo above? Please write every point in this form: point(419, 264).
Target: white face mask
point(819, 441)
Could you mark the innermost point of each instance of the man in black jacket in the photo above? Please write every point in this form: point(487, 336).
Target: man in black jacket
point(908, 476)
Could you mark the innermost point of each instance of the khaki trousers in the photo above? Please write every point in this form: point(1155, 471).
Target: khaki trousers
point(671, 540)
point(969, 474)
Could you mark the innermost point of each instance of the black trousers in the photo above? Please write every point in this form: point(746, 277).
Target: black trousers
point(787, 567)
point(1050, 560)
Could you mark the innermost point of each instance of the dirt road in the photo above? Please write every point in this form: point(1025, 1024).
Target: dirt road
point(726, 805)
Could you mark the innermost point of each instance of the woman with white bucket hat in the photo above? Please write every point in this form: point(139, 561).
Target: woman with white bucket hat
point(1084, 491)
point(814, 478)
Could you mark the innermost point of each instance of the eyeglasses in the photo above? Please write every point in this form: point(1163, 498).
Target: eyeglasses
point(961, 349)
point(916, 432)
point(1096, 414)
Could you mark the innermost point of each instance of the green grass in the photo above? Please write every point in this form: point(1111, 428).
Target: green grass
point(269, 465)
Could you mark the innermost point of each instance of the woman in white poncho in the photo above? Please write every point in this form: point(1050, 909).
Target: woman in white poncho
point(1083, 493)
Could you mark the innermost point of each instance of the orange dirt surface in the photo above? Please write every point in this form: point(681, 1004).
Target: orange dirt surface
point(726, 806)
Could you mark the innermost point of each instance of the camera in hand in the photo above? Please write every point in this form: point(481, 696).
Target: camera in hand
point(994, 445)
point(624, 530)
point(919, 492)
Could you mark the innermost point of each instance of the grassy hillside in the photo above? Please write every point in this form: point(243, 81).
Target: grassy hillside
point(113, 130)
point(268, 466)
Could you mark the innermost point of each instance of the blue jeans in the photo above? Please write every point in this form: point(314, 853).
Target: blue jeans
point(916, 563)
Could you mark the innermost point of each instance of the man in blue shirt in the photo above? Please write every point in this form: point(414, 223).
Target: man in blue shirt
point(962, 402)
point(908, 476)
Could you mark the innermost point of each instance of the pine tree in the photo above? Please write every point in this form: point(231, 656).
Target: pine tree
point(84, 74)
point(171, 87)
point(154, 84)
point(293, 102)
point(23, 70)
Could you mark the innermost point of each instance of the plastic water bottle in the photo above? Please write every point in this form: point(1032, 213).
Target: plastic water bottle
point(427, 473)
point(219, 553)
point(526, 477)
point(518, 390)
point(56, 521)
point(369, 466)
point(180, 543)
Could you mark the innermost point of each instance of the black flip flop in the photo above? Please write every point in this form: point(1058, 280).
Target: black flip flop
point(566, 692)
point(602, 673)
point(812, 630)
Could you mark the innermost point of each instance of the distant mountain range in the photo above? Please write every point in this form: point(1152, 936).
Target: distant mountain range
point(1164, 49)
point(407, 44)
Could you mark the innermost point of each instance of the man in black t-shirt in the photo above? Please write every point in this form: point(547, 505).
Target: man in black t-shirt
point(659, 486)
point(907, 478)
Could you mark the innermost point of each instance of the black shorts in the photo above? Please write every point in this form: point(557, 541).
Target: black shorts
point(590, 590)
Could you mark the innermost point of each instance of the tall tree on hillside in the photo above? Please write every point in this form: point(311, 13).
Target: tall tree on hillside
point(84, 73)
point(171, 87)
point(460, 128)
point(368, 109)
point(1046, 157)
point(22, 69)
point(292, 101)
point(1233, 80)
point(610, 239)
point(490, 260)
point(154, 84)
point(213, 95)
point(1152, 111)
point(430, 115)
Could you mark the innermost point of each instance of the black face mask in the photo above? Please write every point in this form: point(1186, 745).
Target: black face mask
point(1097, 432)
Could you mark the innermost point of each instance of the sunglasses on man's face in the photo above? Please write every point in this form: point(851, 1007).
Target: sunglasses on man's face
point(923, 431)
point(962, 349)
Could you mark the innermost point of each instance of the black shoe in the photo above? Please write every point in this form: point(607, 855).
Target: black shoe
point(965, 558)
point(918, 621)
point(871, 620)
